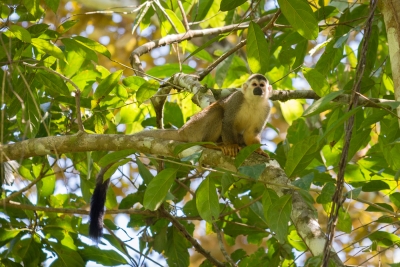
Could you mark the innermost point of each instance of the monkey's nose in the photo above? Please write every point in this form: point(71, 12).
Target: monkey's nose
point(257, 91)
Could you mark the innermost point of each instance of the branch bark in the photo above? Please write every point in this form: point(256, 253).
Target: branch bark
point(177, 38)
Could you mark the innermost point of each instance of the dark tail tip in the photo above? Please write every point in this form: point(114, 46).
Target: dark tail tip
point(97, 211)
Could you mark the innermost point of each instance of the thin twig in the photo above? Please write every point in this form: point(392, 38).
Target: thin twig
point(242, 43)
point(77, 91)
point(221, 245)
point(193, 241)
point(338, 199)
point(184, 18)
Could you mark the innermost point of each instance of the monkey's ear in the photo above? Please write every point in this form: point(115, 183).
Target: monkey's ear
point(244, 86)
point(270, 91)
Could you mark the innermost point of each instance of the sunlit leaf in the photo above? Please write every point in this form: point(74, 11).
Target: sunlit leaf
point(48, 48)
point(207, 200)
point(257, 49)
point(300, 16)
point(278, 217)
point(158, 188)
point(21, 33)
point(321, 104)
point(107, 85)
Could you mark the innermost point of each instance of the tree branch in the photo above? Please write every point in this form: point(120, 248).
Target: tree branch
point(193, 241)
point(173, 38)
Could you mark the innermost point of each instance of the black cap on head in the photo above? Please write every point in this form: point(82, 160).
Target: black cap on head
point(258, 77)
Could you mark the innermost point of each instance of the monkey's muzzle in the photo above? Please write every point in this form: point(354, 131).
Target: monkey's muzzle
point(257, 91)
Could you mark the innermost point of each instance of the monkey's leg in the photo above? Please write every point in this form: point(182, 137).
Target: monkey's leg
point(250, 137)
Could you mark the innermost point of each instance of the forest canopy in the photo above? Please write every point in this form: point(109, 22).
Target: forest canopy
point(78, 81)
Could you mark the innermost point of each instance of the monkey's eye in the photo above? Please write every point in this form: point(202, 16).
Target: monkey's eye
point(254, 84)
point(262, 85)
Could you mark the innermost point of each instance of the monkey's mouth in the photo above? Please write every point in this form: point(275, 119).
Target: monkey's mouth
point(257, 91)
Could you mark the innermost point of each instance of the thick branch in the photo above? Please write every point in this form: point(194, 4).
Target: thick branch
point(173, 38)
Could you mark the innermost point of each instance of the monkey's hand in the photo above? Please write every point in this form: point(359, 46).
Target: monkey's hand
point(262, 153)
point(230, 150)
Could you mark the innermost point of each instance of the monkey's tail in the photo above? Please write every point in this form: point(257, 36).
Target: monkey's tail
point(97, 205)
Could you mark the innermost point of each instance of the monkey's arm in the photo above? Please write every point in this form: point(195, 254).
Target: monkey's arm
point(97, 205)
point(229, 134)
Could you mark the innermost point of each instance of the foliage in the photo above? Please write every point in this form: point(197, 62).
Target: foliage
point(45, 67)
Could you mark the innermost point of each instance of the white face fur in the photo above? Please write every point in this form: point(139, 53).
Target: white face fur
point(250, 85)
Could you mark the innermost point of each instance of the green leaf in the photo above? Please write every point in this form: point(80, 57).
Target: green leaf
point(173, 114)
point(129, 114)
point(66, 256)
point(21, 33)
point(158, 188)
point(67, 24)
point(245, 153)
point(29, 249)
point(177, 249)
point(344, 222)
point(199, 52)
point(374, 186)
point(298, 131)
point(339, 122)
point(253, 171)
point(32, 115)
point(7, 234)
point(53, 4)
point(133, 82)
point(93, 45)
point(395, 198)
point(115, 156)
point(107, 85)
point(386, 206)
point(269, 197)
point(300, 155)
point(278, 217)
point(147, 90)
point(257, 49)
point(227, 5)
point(113, 169)
point(168, 70)
point(301, 17)
point(33, 7)
point(321, 104)
point(384, 239)
point(78, 48)
point(291, 110)
point(227, 181)
point(48, 48)
point(207, 202)
point(147, 176)
point(175, 20)
point(52, 83)
point(102, 256)
point(327, 193)
point(318, 82)
point(201, 9)
point(330, 58)
point(47, 185)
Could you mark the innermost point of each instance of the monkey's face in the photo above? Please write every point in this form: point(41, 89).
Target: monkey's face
point(257, 86)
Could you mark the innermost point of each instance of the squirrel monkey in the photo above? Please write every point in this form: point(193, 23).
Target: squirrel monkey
point(234, 121)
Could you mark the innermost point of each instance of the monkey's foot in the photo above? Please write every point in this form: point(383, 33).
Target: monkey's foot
point(262, 153)
point(230, 150)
